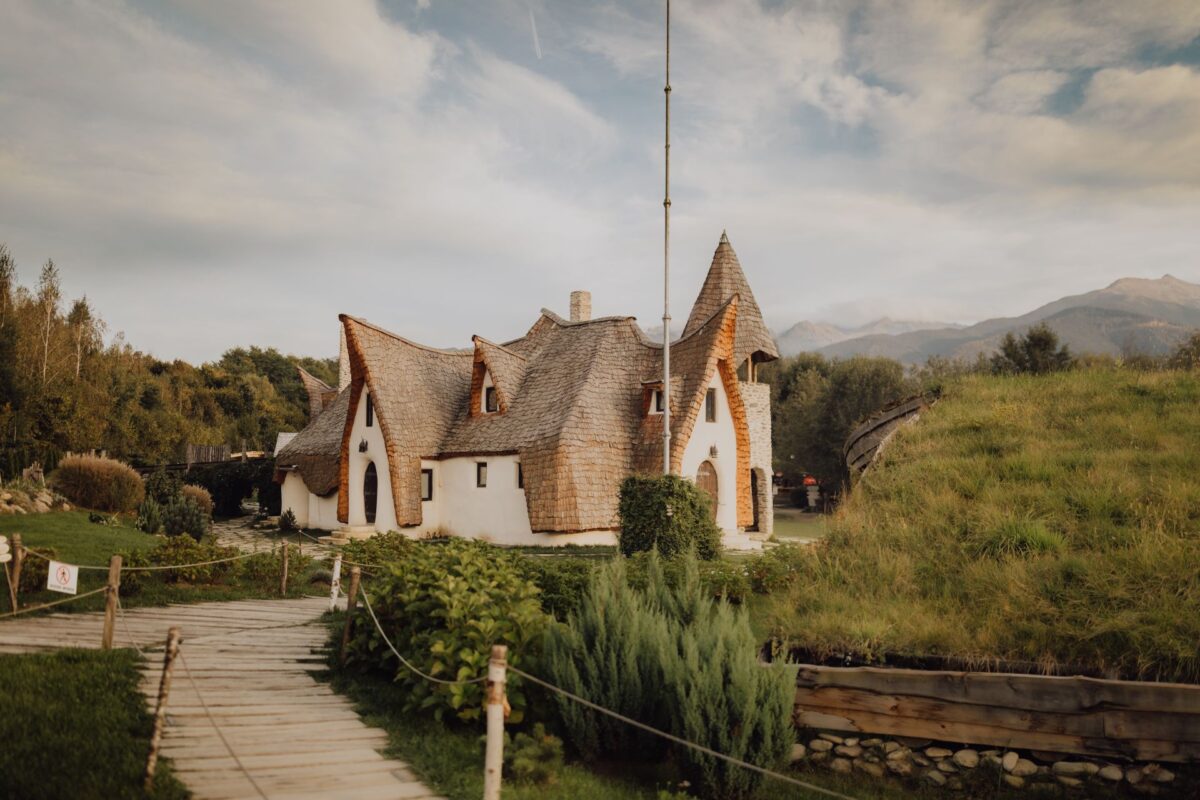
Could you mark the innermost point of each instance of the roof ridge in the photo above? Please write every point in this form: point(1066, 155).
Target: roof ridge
point(502, 348)
point(570, 323)
point(410, 342)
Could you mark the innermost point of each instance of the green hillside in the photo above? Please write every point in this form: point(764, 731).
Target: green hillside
point(1052, 520)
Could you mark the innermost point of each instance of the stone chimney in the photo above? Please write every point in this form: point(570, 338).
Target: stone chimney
point(581, 306)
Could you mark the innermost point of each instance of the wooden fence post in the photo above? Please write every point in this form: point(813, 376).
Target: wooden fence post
point(283, 572)
point(335, 583)
point(351, 605)
point(493, 759)
point(160, 708)
point(18, 563)
point(110, 602)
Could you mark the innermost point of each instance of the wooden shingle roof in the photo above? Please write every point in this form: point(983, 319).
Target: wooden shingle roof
point(724, 280)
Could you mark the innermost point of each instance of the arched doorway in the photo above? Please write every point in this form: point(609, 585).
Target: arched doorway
point(706, 479)
point(370, 492)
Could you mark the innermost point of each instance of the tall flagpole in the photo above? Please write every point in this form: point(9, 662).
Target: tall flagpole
point(666, 393)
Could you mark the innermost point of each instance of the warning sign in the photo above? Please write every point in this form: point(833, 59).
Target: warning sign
point(62, 578)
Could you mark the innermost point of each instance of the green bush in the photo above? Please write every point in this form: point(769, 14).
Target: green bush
point(200, 497)
point(382, 548)
point(725, 579)
point(534, 758)
point(34, 570)
point(287, 522)
point(180, 550)
point(104, 484)
point(162, 487)
point(265, 568)
point(180, 516)
point(562, 579)
point(669, 513)
point(776, 569)
point(687, 665)
point(444, 606)
point(149, 517)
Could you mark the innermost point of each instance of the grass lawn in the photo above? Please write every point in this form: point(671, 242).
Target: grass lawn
point(74, 724)
point(1049, 522)
point(79, 541)
point(793, 526)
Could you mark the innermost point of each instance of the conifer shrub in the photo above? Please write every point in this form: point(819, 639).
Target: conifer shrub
point(162, 487)
point(671, 657)
point(443, 606)
point(104, 484)
point(669, 513)
point(535, 757)
point(181, 515)
point(287, 522)
point(149, 519)
point(200, 497)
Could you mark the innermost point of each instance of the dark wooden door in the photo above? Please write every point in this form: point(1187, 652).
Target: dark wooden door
point(706, 479)
point(370, 492)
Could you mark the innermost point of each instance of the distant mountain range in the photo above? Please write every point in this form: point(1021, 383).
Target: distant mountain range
point(1132, 315)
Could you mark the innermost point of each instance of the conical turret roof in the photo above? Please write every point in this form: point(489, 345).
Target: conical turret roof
point(726, 279)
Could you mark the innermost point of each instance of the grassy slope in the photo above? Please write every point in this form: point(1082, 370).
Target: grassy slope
point(74, 724)
point(79, 541)
point(1052, 519)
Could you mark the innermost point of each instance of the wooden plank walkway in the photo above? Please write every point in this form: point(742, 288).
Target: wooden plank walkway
point(251, 661)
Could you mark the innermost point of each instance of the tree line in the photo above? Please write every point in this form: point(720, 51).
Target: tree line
point(63, 388)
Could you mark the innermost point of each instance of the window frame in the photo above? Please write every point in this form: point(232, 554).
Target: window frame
point(491, 400)
point(710, 404)
point(370, 411)
point(520, 476)
point(481, 474)
point(426, 497)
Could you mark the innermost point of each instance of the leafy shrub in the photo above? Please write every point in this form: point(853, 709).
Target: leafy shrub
point(1037, 352)
point(162, 486)
point(287, 522)
point(667, 512)
point(104, 484)
point(180, 550)
point(444, 606)
point(200, 497)
point(776, 569)
point(725, 579)
point(382, 548)
point(181, 515)
point(535, 757)
point(132, 580)
point(265, 568)
point(149, 517)
point(34, 570)
point(687, 665)
point(562, 579)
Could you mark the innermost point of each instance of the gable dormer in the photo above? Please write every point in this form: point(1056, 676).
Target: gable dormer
point(496, 378)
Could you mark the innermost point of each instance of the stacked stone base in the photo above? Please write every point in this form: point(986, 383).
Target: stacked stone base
point(953, 766)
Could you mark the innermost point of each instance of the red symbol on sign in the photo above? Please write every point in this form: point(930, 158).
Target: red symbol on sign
point(64, 576)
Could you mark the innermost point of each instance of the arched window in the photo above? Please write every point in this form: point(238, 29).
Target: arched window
point(370, 492)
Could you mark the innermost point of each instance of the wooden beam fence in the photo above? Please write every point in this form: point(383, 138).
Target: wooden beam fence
point(1084, 716)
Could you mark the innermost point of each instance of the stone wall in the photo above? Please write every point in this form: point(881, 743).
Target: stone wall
point(757, 399)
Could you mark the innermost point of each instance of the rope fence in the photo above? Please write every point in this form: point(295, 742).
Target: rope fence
point(155, 567)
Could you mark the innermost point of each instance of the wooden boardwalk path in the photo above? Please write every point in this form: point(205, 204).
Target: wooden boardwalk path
point(251, 661)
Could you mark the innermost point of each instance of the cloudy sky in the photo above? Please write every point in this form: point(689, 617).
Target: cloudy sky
point(221, 173)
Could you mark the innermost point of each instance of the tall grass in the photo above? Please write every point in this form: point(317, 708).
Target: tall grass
point(1051, 519)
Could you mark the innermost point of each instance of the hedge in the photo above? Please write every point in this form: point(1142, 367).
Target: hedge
point(667, 512)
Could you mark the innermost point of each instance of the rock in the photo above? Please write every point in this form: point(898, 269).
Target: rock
point(817, 758)
point(938, 752)
point(841, 765)
point(1067, 780)
point(899, 755)
point(935, 777)
point(1024, 768)
point(891, 747)
point(871, 757)
point(66, 506)
point(18, 510)
point(967, 758)
point(1075, 769)
point(829, 737)
point(1009, 760)
point(900, 767)
point(848, 750)
point(870, 742)
point(1134, 775)
point(40, 508)
point(1159, 774)
point(920, 759)
point(874, 770)
point(908, 741)
point(1014, 781)
point(947, 767)
point(45, 497)
point(955, 784)
point(851, 742)
point(799, 751)
point(5, 497)
point(1111, 772)
point(820, 745)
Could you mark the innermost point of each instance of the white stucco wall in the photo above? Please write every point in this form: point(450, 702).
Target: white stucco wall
point(721, 434)
point(311, 511)
point(385, 509)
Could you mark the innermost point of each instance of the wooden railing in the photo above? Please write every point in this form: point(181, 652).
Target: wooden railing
point(1085, 716)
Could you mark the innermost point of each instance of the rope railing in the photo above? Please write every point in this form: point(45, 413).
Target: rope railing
point(53, 603)
point(412, 667)
point(154, 567)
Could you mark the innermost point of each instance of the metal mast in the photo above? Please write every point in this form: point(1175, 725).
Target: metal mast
point(666, 391)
